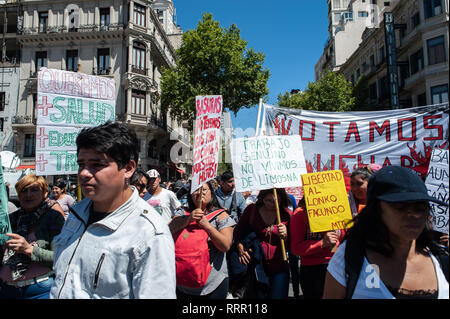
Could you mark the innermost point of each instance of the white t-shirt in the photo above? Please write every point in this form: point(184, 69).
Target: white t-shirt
point(370, 285)
point(165, 203)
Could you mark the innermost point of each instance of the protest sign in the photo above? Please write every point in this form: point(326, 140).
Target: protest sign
point(348, 140)
point(5, 226)
point(264, 162)
point(326, 201)
point(437, 184)
point(207, 139)
point(68, 102)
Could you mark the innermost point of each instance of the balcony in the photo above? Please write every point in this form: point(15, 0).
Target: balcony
point(63, 33)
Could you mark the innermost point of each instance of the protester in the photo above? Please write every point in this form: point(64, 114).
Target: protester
point(163, 200)
point(140, 181)
point(358, 187)
point(113, 245)
point(391, 232)
point(228, 198)
point(220, 235)
point(65, 200)
point(261, 218)
point(27, 257)
point(314, 249)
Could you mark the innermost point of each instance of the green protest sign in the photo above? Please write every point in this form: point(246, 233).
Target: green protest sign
point(5, 226)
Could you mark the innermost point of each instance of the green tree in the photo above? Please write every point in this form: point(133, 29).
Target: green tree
point(331, 93)
point(213, 61)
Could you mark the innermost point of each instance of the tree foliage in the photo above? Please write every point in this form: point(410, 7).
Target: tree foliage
point(213, 61)
point(331, 93)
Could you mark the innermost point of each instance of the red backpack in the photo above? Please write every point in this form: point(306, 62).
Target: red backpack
point(192, 254)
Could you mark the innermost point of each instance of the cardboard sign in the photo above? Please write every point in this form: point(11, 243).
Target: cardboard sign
point(5, 226)
point(207, 139)
point(437, 184)
point(264, 162)
point(326, 201)
point(66, 103)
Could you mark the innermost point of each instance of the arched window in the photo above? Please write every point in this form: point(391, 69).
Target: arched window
point(138, 60)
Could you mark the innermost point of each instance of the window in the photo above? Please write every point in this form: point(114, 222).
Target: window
point(439, 94)
point(104, 18)
point(383, 85)
point(139, 15)
point(138, 102)
point(337, 17)
point(432, 8)
point(138, 65)
point(2, 121)
point(72, 60)
point(348, 16)
point(422, 99)
point(103, 61)
point(382, 54)
point(416, 61)
point(372, 60)
point(336, 4)
point(415, 20)
point(30, 145)
point(363, 14)
point(373, 91)
point(43, 20)
point(436, 50)
point(41, 59)
point(2, 101)
point(160, 14)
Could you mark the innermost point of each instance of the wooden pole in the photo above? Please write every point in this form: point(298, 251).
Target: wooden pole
point(283, 249)
point(78, 189)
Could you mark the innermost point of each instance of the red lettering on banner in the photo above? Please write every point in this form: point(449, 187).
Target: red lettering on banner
point(41, 162)
point(403, 160)
point(44, 106)
point(353, 129)
point(331, 132)
point(386, 161)
point(413, 129)
point(385, 127)
point(341, 160)
point(439, 128)
point(313, 130)
point(42, 137)
point(209, 104)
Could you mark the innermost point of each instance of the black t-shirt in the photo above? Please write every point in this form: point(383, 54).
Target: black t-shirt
point(95, 216)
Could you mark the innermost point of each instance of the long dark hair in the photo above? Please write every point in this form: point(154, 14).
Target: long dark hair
point(283, 199)
point(372, 233)
point(212, 206)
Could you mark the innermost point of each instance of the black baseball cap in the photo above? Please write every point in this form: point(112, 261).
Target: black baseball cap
point(395, 184)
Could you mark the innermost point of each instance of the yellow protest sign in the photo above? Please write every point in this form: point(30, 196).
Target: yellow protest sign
point(326, 201)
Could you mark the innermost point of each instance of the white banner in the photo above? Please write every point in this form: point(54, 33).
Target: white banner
point(437, 184)
point(66, 103)
point(264, 162)
point(207, 139)
point(347, 140)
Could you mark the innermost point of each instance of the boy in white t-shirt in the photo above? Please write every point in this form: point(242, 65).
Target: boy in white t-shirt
point(163, 200)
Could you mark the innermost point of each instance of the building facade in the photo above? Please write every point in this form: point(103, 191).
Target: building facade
point(127, 41)
point(421, 48)
point(9, 72)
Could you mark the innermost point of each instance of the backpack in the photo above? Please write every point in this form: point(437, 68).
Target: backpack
point(192, 254)
point(354, 258)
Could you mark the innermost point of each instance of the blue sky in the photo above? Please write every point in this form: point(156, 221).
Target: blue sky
point(291, 33)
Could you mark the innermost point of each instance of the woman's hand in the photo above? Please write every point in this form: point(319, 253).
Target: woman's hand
point(330, 239)
point(282, 231)
point(196, 215)
point(244, 256)
point(19, 244)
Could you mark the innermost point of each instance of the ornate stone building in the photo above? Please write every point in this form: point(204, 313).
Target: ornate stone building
point(130, 41)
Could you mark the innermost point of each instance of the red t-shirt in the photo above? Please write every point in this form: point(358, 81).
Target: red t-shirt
point(308, 245)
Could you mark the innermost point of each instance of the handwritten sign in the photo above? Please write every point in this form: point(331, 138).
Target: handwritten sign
point(207, 139)
point(5, 226)
point(326, 201)
point(264, 162)
point(67, 102)
point(437, 184)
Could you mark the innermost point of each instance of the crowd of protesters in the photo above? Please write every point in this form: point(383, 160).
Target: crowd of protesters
point(134, 235)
